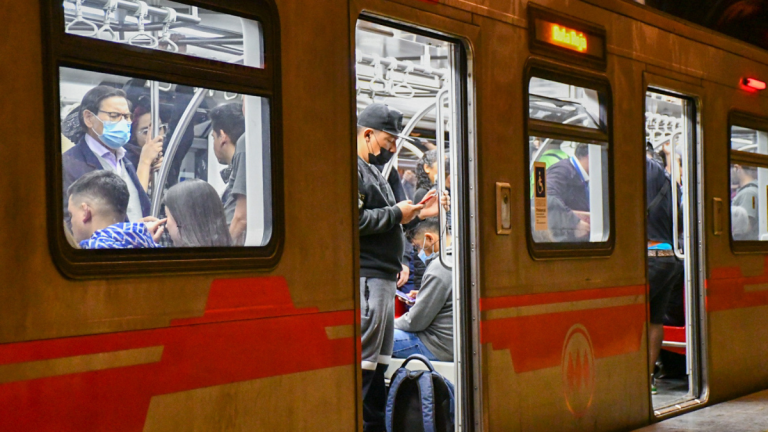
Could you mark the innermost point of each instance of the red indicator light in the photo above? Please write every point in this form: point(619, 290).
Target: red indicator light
point(753, 84)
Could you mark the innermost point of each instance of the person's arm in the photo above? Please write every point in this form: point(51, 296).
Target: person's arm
point(239, 220)
point(147, 163)
point(432, 296)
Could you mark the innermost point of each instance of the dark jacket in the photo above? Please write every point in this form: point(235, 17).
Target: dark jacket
point(381, 237)
point(566, 192)
point(80, 160)
point(660, 216)
point(133, 154)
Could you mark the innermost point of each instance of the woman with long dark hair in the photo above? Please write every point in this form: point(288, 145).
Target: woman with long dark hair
point(196, 215)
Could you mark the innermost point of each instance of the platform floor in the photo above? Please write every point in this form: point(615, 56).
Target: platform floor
point(746, 414)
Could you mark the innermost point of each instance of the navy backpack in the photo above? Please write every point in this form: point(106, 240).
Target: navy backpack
point(420, 401)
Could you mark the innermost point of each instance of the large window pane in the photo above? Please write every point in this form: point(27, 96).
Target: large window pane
point(569, 191)
point(207, 195)
point(168, 26)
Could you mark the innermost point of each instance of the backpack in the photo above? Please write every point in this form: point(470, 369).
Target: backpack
point(420, 401)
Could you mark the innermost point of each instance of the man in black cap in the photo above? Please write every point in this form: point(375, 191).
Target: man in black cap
point(381, 252)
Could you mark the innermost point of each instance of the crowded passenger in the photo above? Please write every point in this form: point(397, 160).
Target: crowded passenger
point(746, 199)
point(665, 271)
point(228, 132)
point(196, 216)
point(98, 202)
point(427, 328)
point(101, 130)
point(381, 253)
point(568, 197)
point(143, 150)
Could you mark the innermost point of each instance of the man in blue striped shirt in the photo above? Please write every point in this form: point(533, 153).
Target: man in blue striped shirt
point(98, 203)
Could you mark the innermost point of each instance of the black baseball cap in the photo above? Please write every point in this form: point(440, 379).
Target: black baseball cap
point(381, 117)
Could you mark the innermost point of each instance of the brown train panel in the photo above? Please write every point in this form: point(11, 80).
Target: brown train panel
point(535, 314)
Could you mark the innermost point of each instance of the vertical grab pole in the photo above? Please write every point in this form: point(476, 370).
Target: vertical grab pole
point(440, 141)
point(173, 144)
point(675, 203)
point(154, 107)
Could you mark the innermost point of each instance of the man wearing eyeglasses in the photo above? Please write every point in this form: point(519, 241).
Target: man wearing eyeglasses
point(105, 120)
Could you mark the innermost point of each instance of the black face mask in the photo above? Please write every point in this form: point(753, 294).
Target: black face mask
point(380, 159)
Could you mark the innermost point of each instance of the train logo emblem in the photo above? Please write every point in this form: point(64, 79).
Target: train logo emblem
point(578, 367)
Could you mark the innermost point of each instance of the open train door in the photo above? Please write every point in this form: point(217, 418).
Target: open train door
point(424, 74)
point(674, 265)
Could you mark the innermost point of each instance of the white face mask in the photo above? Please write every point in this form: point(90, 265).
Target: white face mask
point(423, 255)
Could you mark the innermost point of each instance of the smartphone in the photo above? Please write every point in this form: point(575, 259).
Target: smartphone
point(427, 198)
point(405, 297)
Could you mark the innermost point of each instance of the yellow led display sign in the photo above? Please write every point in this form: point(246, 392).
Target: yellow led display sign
point(578, 40)
point(567, 38)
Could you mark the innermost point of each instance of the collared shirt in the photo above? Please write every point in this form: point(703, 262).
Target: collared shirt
point(584, 174)
point(102, 151)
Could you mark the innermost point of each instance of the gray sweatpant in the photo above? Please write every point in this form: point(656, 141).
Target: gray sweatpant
point(377, 321)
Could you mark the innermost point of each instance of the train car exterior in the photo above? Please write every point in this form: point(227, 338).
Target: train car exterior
point(553, 339)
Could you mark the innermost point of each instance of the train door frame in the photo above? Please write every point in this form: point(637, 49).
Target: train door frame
point(467, 349)
point(695, 267)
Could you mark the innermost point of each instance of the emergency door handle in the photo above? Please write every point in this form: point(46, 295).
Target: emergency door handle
point(503, 209)
point(717, 216)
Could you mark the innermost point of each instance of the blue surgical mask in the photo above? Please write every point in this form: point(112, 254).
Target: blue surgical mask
point(423, 255)
point(115, 135)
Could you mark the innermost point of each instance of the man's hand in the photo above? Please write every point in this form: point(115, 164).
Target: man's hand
point(582, 229)
point(154, 226)
point(402, 277)
point(409, 210)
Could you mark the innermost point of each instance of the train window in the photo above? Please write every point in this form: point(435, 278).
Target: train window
point(568, 165)
point(149, 149)
point(167, 26)
point(206, 139)
point(749, 184)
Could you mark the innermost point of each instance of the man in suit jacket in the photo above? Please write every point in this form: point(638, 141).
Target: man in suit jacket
point(568, 197)
point(105, 118)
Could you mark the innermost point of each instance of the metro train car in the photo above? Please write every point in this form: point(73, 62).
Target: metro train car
point(256, 325)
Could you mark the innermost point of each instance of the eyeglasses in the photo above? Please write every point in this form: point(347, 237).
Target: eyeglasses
point(115, 116)
point(161, 130)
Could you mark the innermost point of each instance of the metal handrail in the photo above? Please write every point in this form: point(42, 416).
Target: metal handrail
point(406, 131)
point(173, 144)
point(160, 13)
point(154, 107)
point(675, 222)
point(440, 141)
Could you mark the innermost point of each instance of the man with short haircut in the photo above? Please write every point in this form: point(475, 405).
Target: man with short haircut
point(98, 202)
point(381, 253)
point(228, 132)
point(427, 328)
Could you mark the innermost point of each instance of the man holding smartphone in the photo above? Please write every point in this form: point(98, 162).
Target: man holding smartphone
point(381, 252)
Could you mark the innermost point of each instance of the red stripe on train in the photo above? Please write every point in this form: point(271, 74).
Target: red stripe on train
point(194, 356)
point(726, 289)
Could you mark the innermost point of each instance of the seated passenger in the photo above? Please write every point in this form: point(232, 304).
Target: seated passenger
point(428, 327)
point(568, 197)
point(97, 203)
point(747, 199)
point(104, 122)
point(228, 132)
point(143, 150)
point(196, 215)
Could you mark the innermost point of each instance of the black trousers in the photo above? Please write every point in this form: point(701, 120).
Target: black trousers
point(664, 273)
point(374, 399)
